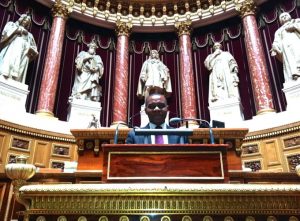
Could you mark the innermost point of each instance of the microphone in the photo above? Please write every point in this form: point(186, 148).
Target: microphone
point(130, 123)
point(178, 120)
point(116, 134)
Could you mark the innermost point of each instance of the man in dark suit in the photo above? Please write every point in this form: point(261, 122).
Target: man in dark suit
point(156, 108)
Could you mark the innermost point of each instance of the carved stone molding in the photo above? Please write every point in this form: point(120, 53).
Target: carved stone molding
point(248, 7)
point(184, 27)
point(60, 10)
point(123, 28)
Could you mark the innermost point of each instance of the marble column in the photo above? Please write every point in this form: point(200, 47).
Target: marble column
point(256, 59)
point(187, 85)
point(121, 77)
point(53, 59)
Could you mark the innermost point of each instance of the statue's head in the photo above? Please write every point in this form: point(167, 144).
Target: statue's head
point(154, 54)
point(24, 21)
point(216, 46)
point(92, 47)
point(284, 17)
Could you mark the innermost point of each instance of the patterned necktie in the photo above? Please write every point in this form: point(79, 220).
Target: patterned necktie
point(159, 138)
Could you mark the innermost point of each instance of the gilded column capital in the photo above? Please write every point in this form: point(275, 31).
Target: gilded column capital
point(184, 27)
point(59, 9)
point(123, 28)
point(248, 7)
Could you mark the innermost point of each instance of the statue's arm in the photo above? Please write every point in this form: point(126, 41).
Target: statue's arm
point(276, 45)
point(79, 61)
point(99, 66)
point(207, 63)
point(143, 74)
point(9, 32)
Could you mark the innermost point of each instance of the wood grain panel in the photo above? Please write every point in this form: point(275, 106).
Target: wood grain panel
point(187, 162)
point(41, 154)
point(271, 153)
point(175, 164)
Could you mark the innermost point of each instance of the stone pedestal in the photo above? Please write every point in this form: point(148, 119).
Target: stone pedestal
point(13, 95)
point(229, 111)
point(81, 113)
point(292, 94)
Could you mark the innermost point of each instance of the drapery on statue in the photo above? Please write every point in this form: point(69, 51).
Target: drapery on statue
point(286, 46)
point(223, 79)
point(18, 48)
point(154, 77)
point(89, 70)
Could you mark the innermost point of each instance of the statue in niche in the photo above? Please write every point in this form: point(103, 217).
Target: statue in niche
point(18, 48)
point(223, 79)
point(154, 77)
point(89, 70)
point(286, 46)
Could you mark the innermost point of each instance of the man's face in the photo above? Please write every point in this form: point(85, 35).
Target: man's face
point(156, 108)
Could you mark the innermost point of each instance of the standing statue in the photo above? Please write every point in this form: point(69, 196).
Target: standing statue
point(223, 79)
point(89, 70)
point(154, 76)
point(18, 48)
point(286, 46)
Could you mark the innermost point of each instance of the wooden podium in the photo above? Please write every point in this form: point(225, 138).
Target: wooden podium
point(182, 163)
point(91, 141)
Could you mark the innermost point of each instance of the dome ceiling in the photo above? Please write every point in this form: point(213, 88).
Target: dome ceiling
point(144, 15)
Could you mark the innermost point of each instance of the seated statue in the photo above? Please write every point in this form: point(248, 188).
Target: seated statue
point(18, 48)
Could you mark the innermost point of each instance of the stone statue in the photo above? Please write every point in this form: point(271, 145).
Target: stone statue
point(154, 76)
point(89, 70)
point(286, 46)
point(223, 79)
point(94, 123)
point(18, 48)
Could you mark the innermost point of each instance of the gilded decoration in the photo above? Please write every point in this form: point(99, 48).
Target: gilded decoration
point(143, 15)
point(123, 28)
point(228, 218)
point(186, 218)
point(144, 218)
point(165, 218)
point(171, 199)
point(103, 218)
point(34, 132)
point(254, 165)
point(248, 7)
point(250, 149)
point(293, 161)
point(273, 132)
point(60, 10)
point(292, 142)
point(124, 218)
point(184, 27)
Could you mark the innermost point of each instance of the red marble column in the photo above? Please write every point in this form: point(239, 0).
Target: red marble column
point(121, 80)
point(53, 59)
point(188, 97)
point(256, 60)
